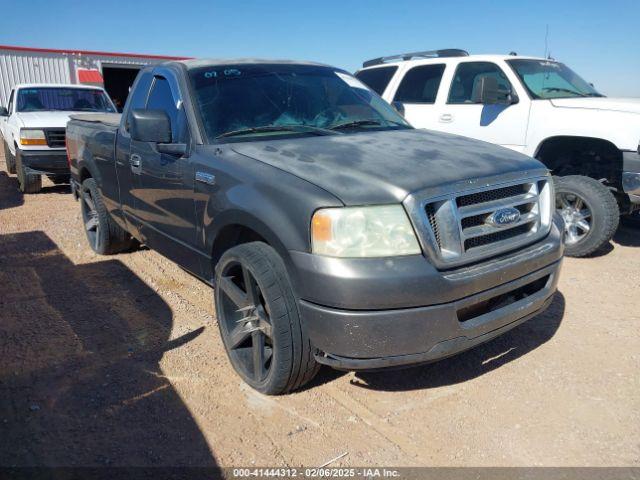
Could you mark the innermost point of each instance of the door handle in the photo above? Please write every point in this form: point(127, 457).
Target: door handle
point(446, 118)
point(207, 178)
point(136, 163)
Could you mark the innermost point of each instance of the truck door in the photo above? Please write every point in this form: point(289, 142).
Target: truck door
point(165, 201)
point(128, 175)
point(5, 120)
point(460, 113)
point(417, 92)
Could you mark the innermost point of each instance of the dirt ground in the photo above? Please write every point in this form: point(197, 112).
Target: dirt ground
point(117, 361)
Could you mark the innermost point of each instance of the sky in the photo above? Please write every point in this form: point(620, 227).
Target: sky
point(599, 40)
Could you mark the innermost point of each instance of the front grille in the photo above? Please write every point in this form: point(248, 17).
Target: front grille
point(491, 195)
point(55, 137)
point(460, 227)
point(496, 237)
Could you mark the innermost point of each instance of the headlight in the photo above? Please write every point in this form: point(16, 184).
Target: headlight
point(379, 231)
point(32, 137)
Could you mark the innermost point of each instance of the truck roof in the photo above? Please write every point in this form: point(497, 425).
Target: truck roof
point(205, 62)
point(56, 85)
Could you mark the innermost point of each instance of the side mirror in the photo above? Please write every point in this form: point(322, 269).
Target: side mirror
point(399, 106)
point(150, 126)
point(4, 112)
point(487, 92)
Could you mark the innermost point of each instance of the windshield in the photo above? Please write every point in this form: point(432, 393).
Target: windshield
point(240, 101)
point(63, 99)
point(546, 79)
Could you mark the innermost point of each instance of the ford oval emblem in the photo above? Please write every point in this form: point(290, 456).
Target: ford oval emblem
point(504, 217)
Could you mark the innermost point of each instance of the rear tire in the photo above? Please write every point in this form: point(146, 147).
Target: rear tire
point(27, 182)
point(260, 325)
point(590, 212)
point(9, 159)
point(104, 235)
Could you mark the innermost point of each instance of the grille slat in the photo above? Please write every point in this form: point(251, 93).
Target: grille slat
point(461, 223)
point(56, 138)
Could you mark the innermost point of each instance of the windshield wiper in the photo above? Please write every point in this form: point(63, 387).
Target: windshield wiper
point(567, 90)
point(364, 123)
point(277, 128)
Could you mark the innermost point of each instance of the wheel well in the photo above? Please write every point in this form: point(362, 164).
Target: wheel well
point(590, 157)
point(84, 174)
point(233, 235)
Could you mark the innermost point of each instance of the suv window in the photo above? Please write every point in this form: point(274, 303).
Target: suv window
point(420, 84)
point(139, 93)
point(466, 82)
point(162, 98)
point(377, 78)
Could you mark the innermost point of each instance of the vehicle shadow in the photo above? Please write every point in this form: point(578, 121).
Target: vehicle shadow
point(80, 381)
point(472, 363)
point(10, 196)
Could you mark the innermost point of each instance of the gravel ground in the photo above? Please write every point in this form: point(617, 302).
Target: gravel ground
point(117, 361)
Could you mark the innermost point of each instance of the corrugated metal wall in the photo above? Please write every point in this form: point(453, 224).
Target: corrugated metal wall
point(18, 66)
point(23, 67)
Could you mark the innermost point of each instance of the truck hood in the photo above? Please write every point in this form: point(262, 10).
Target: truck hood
point(627, 105)
point(385, 167)
point(46, 119)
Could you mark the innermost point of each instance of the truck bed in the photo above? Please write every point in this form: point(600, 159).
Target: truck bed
point(110, 119)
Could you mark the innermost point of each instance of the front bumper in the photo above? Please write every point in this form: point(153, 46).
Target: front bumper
point(631, 175)
point(45, 162)
point(410, 319)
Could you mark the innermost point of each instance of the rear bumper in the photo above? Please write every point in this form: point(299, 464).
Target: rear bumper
point(631, 175)
point(45, 162)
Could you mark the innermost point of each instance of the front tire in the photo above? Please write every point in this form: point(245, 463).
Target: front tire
point(104, 235)
point(27, 182)
point(9, 159)
point(590, 213)
point(259, 320)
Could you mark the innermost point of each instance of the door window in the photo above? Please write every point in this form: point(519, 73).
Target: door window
point(420, 84)
point(138, 97)
point(162, 98)
point(377, 79)
point(466, 82)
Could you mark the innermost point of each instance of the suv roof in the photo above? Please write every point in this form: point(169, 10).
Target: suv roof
point(436, 56)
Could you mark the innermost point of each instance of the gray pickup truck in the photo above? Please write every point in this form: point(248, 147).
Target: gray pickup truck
point(332, 231)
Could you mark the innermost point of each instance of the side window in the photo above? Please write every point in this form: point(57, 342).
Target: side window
point(420, 84)
point(466, 81)
point(138, 96)
point(162, 98)
point(10, 106)
point(377, 79)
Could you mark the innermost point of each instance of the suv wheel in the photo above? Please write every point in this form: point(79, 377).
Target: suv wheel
point(27, 182)
point(590, 213)
point(9, 159)
point(259, 321)
point(104, 235)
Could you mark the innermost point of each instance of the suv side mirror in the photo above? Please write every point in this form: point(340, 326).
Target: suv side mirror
point(150, 126)
point(399, 106)
point(4, 112)
point(488, 92)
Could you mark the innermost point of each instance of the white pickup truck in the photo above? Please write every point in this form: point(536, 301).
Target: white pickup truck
point(33, 129)
point(538, 107)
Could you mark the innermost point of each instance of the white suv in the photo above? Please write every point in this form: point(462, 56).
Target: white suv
point(33, 129)
point(538, 107)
